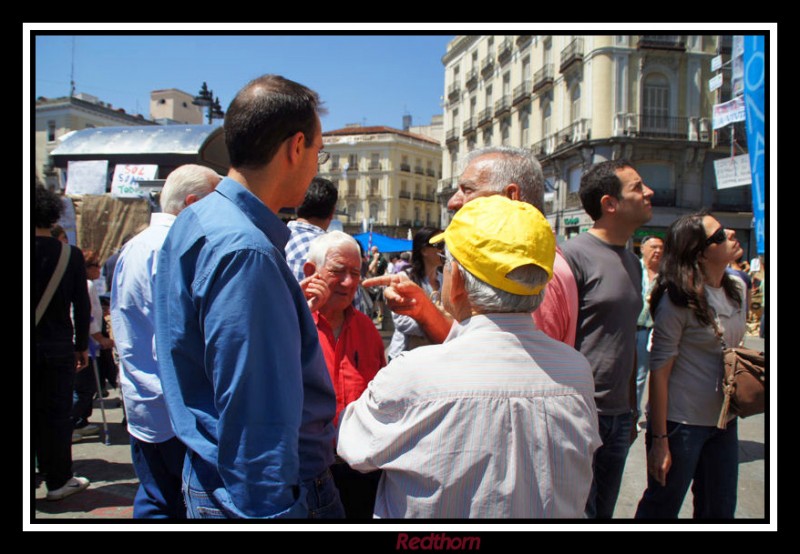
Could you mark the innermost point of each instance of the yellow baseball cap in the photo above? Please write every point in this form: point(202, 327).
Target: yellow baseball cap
point(493, 235)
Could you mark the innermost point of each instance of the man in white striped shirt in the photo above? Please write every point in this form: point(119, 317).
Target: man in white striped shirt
point(499, 421)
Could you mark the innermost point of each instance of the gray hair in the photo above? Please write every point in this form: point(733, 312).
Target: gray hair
point(319, 247)
point(513, 165)
point(487, 299)
point(183, 181)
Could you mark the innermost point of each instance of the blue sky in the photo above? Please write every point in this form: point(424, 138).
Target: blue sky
point(371, 80)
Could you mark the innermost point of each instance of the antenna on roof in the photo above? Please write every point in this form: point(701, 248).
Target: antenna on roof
point(72, 71)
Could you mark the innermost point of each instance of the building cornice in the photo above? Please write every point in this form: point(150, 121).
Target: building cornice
point(458, 46)
point(88, 107)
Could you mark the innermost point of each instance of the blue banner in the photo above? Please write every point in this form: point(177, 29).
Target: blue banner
point(754, 77)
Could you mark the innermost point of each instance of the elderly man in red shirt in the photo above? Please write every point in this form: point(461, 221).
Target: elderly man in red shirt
point(353, 350)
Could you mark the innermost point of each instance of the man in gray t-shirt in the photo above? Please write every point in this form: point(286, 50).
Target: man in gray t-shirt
point(609, 280)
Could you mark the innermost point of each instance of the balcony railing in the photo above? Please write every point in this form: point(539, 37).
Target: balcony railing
point(430, 172)
point(453, 90)
point(484, 116)
point(522, 40)
point(543, 77)
point(374, 165)
point(419, 170)
point(472, 79)
point(522, 92)
point(574, 133)
point(468, 126)
point(661, 42)
point(545, 147)
point(405, 167)
point(660, 126)
point(504, 51)
point(487, 65)
point(572, 54)
point(502, 106)
point(452, 136)
point(405, 194)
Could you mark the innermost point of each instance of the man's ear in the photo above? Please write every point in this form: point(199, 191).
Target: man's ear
point(190, 199)
point(457, 282)
point(309, 269)
point(608, 204)
point(512, 191)
point(296, 144)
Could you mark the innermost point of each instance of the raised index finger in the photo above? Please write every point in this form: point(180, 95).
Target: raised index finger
point(381, 281)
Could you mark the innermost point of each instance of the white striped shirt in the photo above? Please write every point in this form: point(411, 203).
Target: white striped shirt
point(499, 421)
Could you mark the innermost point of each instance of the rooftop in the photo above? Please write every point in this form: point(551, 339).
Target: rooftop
point(375, 130)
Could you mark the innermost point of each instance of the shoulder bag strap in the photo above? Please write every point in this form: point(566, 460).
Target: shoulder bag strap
point(55, 280)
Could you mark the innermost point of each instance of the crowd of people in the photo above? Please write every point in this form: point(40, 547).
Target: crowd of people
point(256, 384)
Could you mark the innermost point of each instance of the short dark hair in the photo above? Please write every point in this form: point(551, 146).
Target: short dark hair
point(266, 112)
point(600, 180)
point(48, 207)
point(320, 200)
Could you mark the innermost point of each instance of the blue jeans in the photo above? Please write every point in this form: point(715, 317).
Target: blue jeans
point(609, 465)
point(158, 467)
point(321, 497)
point(642, 365)
point(705, 457)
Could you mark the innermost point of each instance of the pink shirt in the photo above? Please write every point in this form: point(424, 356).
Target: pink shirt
point(557, 315)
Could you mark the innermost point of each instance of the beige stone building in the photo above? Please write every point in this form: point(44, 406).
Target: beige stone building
point(55, 117)
point(174, 106)
point(577, 100)
point(385, 176)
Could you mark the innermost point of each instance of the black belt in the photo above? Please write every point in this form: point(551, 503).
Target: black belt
point(643, 328)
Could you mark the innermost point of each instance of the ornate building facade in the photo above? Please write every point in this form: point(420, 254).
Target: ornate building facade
point(578, 100)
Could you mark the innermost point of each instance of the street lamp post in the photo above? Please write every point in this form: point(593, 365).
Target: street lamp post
point(205, 99)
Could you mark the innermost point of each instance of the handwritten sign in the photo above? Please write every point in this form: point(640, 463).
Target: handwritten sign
point(733, 172)
point(125, 183)
point(87, 177)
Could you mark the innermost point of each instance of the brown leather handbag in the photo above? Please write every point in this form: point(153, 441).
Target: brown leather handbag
point(744, 383)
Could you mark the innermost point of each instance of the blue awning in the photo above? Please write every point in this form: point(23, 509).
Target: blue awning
point(384, 243)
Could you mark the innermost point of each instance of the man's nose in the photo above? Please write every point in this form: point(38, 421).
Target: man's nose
point(456, 201)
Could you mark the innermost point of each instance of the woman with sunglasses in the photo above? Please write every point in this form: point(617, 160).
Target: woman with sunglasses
point(693, 301)
point(425, 270)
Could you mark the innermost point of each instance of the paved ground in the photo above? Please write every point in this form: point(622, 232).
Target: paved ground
point(114, 483)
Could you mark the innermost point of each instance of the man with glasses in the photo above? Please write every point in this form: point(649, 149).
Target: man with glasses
point(353, 350)
point(498, 421)
point(516, 174)
point(609, 280)
point(242, 370)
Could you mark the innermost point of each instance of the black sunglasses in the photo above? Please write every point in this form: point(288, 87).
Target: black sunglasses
point(718, 237)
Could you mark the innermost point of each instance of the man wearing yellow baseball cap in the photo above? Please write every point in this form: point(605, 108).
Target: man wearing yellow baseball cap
point(498, 421)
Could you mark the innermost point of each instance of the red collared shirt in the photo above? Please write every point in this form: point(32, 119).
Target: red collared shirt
point(354, 358)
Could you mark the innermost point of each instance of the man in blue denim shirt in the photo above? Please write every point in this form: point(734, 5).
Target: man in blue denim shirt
point(242, 370)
